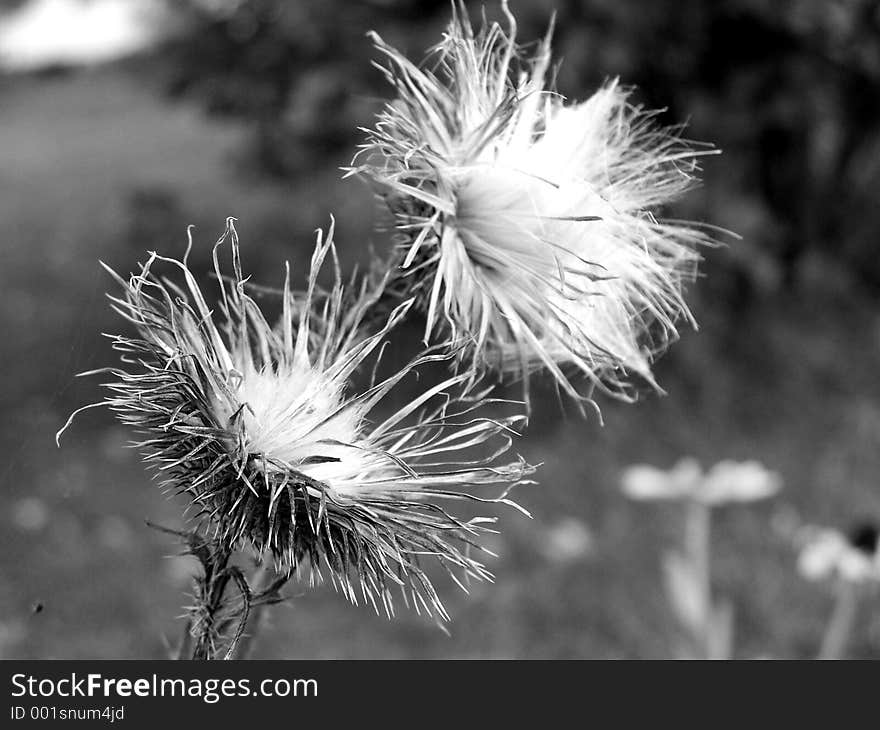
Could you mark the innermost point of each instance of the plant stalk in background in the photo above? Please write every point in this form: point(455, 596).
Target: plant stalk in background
point(708, 623)
point(850, 563)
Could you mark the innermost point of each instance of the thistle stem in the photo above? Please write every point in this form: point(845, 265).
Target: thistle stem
point(841, 623)
point(262, 578)
point(210, 598)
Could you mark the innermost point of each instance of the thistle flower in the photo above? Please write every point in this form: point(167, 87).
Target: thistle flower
point(526, 224)
point(260, 428)
point(725, 483)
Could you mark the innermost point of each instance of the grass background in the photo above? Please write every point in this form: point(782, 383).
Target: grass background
point(96, 165)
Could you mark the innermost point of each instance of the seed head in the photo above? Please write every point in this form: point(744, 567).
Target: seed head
point(263, 431)
point(527, 224)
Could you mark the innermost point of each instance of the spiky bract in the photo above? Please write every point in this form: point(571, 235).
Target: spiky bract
point(260, 427)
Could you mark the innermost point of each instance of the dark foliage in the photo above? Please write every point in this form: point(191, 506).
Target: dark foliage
point(789, 90)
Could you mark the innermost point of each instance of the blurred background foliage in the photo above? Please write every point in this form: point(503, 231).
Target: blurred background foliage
point(789, 89)
point(249, 109)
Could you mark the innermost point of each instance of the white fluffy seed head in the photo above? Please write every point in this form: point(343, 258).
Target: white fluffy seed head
point(297, 418)
point(264, 431)
point(537, 216)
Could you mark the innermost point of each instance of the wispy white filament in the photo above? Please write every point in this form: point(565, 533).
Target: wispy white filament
point(287, 418)
point(530, 219)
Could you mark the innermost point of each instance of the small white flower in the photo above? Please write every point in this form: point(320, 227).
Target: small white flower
point(745, 481)
point(828, 553)
point(725, 483)
point(528, 224)
point(648, 483)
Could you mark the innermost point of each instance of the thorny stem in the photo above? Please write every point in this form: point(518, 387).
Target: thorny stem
point(262, 580)
point(210, 598)
point(206, 623)
point(842, 620)
point(211, 619)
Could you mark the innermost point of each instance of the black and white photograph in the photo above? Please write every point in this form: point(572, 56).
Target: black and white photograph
point(434, 329)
